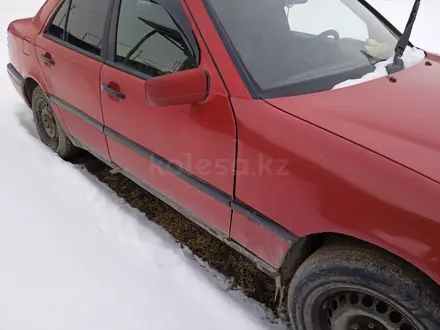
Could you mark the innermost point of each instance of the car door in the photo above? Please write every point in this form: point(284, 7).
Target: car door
point(185, 153)
point(70, 52)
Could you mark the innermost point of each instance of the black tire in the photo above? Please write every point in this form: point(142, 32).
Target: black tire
point(355, 287)
point(53, 135)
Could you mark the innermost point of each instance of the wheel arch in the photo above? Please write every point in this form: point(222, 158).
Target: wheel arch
point(306, 246)
point(30, 83)
point(29, 86)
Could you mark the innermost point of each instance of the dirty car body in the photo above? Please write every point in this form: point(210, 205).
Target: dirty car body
point(226, 111)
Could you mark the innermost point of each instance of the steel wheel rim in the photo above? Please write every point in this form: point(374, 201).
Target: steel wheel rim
point(353, 309)
point(47, 123)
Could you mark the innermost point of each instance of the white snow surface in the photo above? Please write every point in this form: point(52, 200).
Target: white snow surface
point(411, 57)
point(75, 256)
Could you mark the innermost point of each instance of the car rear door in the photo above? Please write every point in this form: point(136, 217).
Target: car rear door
point(70, 52)
point(185, 154)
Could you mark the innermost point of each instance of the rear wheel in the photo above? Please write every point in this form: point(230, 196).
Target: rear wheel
point(50, 131)
point(355, 288)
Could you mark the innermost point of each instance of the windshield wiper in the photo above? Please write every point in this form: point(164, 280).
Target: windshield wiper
point(403, 42)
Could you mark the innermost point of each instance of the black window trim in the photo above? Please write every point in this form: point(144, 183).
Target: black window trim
point(382, 18)
point(75, 48)
point(110, 32)
point(63, 42)
point(52, 18)
point(254, 90)
point(128, 70)
point(177, 14)
point(250, 83)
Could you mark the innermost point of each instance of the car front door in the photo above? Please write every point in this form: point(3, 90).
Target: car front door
point(186, 153)
point(70, 52)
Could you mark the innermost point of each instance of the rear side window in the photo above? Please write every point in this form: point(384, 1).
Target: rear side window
point(85, 25)
point(81, 23)
point(149, 41)
point(58, 24)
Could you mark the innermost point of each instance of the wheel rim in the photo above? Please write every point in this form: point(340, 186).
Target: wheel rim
point(356, 310)
point(47, 124)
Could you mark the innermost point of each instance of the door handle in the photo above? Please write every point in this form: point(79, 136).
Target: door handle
point(112, 92)
point(47, 58)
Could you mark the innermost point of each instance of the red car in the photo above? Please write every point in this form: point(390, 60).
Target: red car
point(226, 110)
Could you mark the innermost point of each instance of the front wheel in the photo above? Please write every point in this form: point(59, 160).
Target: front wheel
point(50, 131)
point(355, 288)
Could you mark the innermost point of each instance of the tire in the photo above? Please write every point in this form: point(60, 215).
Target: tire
point(50, 131)
point(349, 287)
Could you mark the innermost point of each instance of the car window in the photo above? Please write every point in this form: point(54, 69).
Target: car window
point(337, 17)
point(149, 41)
point(58, 24)
point(86, 22)
point(294, 47)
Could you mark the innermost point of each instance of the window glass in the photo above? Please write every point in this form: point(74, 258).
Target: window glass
point(58, 24)
point(149, 41)
point(292, 47)
point(335, 16)
point(86, 22)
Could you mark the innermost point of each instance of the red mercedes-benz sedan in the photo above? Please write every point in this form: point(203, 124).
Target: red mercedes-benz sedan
point(303, 133)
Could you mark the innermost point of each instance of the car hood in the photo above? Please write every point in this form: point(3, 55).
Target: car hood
point(399, 120)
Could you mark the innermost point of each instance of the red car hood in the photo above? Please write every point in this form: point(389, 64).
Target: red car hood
point(400, 120)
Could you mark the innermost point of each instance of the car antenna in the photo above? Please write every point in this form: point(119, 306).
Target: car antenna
point(403, 42)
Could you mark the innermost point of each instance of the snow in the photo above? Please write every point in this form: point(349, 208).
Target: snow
point(411, 57)
point(425, 34)
point(75, 256)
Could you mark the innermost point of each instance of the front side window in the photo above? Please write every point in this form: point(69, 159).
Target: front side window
point(149, 41)
point(86, 22)
point(292, 47)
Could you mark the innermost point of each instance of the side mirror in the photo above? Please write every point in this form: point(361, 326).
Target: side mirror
point(180, 88)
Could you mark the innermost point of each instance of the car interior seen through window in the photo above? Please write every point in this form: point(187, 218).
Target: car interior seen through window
point(85, 21)
point(292, 47)
point(149, 41)
point(343, 19)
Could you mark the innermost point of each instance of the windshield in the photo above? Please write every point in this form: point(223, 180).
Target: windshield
point(291, 47)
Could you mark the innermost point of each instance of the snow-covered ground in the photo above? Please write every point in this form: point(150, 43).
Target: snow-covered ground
point(75, 256)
